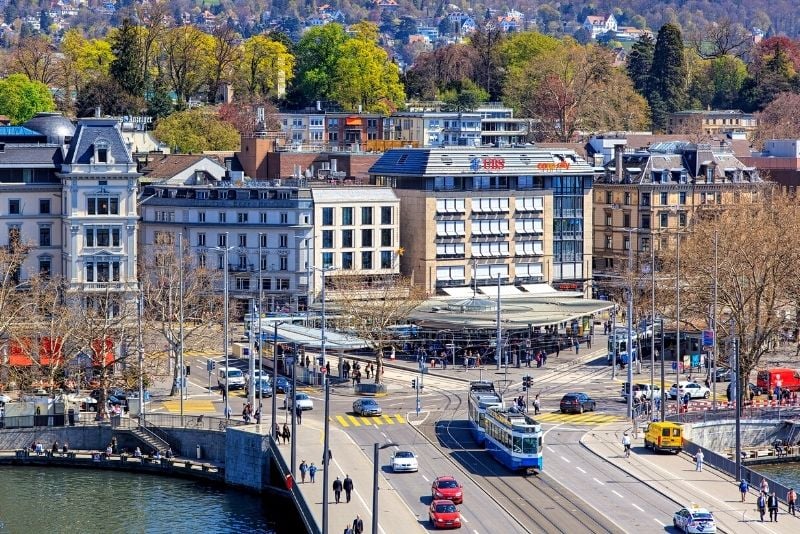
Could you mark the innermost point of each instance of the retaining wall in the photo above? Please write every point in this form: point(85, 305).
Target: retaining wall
point(721, 435)
point(95, 437)
point(247, 457)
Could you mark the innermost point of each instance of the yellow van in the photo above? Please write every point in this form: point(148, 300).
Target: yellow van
point(664, 436)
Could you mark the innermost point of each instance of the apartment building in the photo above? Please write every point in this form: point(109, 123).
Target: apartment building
point(471, 215)
point(647, 195)
point(712, 122)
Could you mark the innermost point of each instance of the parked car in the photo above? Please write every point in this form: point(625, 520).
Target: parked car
point(367, 407)
point(257, 374)
point(404, 461)
point(577, 403)
point(752, 389)
point(722, 374)
point(444, 514)
point(303, 401)
point(695, 390)
point(447, 487)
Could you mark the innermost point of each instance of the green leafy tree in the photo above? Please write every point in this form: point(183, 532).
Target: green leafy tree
point(264, 66)
point(728, 74)
point(21, 98)
point(467, 98)
point(668, 75)
point(640, 63)
point(197, 130)
point(104, 92)
point(159, 101)
point(126, 68)
point(188, 60)
point(318, 54)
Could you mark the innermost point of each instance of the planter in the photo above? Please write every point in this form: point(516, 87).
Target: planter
point(372, 390)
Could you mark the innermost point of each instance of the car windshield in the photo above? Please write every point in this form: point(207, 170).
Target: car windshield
point(448, 484)
point(404, 454)
point(445, 508)
point(570, 397)
point(301, 396)
point(234, 373)
point(369, 403)
point(702, 516)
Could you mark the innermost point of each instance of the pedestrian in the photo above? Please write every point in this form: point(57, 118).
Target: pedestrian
point(698, 458)
point(544, 358)
point(577, 346)
point(368, 370)
point(312, 470)
point(65, 448)
point(764, 486)
point(303, 471)
point(348, 486)
point(298, 412)
point(228, 412)
point(287, 434)
point(761, 502)
point(55, 448)
point(330, 457)
point(743, 487)
point(337, 489)
point(536, 405)
point(328, 368)
point(558, 349)
point(358, 525)
point(224, 394)
point(772, 505)
point(353, 377)
point(276, 430)
point(791, 498)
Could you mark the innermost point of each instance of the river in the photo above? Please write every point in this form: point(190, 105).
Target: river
point(786, 474)
point(76, 501)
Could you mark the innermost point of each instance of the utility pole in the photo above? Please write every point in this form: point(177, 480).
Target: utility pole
point(629, 346)
point(613, 338)
point(652, 318)
point(251, 365)
point(678, 326)
point(182, 384)
point(376, 461)
point(499, 335)
point(140, 350)
point(736, 384)
point(663, 394)
point(260, 341)
point(275, 378)
point(326, 468)
point(225, 322)
point(714, 326)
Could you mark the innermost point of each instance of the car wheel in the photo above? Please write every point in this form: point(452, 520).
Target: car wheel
point(707, 395)
point(580, 410)
point(594, 406)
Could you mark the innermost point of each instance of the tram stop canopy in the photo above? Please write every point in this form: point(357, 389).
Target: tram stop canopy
point(311, 338)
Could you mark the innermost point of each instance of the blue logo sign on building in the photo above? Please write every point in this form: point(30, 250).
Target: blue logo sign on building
point(475, 164)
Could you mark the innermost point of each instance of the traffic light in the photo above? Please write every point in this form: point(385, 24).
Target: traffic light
point(527, 381)
point(413, 383)
point(210, 365)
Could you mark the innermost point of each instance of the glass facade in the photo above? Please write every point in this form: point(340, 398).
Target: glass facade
point(568, 195)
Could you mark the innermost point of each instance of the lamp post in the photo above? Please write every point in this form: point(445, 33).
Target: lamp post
point(325, 452)
point(225, 249)
point(140, 350)
point(678, 325)
point(258, 318)
point(294, 416)
point(498, 353)
point(629, 346)
point(182, 384)
point(714, 326)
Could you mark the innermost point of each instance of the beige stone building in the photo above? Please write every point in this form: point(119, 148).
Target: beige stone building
point(711, 122)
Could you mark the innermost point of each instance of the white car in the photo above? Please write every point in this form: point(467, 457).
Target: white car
point(258, 374)
point(4, 398)
point(303, 401)
point(695, 390)
point(694, 520)
point(404, 461)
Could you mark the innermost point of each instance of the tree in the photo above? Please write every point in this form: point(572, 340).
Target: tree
point(447, 67)
point(11, 260)
point(161, 295)
point(225, 54)
point(727, 74)
point(486, 41)
point(265, 64)
point(242, 114)
point(36, 58)
point(668, 74)
point(83, 60)
point(724, 37)
point(640, 63)
point(368, 307)
point(516, 50)
point(104, 92)
point(188, 60)
point(318, 54)
point(467, 98)
point(126, 69)
point(196, 130)
point(21, 98)
point(779, 120)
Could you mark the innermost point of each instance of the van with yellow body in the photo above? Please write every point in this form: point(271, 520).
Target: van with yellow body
point(664, 436)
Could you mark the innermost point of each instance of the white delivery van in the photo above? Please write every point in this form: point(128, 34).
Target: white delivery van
point(231, 376)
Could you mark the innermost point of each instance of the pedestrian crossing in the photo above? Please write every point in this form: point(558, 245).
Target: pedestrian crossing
point(191, 406)
point(587, 418)
point(348, 420)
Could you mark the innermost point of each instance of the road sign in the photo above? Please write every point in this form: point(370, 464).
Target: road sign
point(708, 338)
point(419, 406)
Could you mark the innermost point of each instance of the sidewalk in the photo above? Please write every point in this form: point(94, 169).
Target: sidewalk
point(674, 476)
point(394, 515)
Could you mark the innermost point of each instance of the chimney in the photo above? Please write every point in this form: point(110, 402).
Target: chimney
point(618, 163)
point(97, 112)
point(319, 105)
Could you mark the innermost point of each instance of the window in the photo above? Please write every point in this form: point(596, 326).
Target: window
point(489, 250)
point(284, 263)
point(266, 284)
point(262, 239)
point(102, 153)
point(283, 240)
point(609, 197)
point(386, 215)
point(491, 272)
point(664, 219)
point(284, 218)
point(530, 203)
point(347, 216)
point(327, 260)
point(366, 215)
point(243, 240)
point(645, 199)
point(45, 264)
point(262, 218)
point(490, 227)
point(347, 260)
point(223, 217)
point(664, 199)
point(327, 216)
point(609, 219)
point(201, 240)
point(449, 250)
point(529, 248)
point(645, 221)
point(366, 260)
point(490, 182)
point(44, 236)
point(626, 198)
point(386, 259)
point(241, 217)
point(644, 244)
point(609, 242)
point(222, 240)
point(44, 206)
point(682, 197)
point(386, 234)
point(242, 283)
point(103, 271)
point(282, 284)
point(347, 239)
point(447, 274)
point(220, 262)
point(366, 238)
point(327, 239)
point(102, 206)
point(529, 226)
point(626, 220)
point(242, 262)
point(104, 237)
point(626, 243)
point(202, 260)
point(201, 216)
point(682, 218)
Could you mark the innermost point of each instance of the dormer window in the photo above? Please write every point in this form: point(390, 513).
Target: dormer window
point(101, 151)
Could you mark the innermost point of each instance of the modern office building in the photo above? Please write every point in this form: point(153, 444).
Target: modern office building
point(471, 215)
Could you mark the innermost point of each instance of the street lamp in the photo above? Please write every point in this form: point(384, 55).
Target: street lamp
point(308, 273)
point(225, 250)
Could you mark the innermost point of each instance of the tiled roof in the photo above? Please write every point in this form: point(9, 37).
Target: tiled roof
point(167, 166)
point(16, 155)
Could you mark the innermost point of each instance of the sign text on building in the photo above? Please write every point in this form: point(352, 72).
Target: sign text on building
point(552, 166)
point(491, 164)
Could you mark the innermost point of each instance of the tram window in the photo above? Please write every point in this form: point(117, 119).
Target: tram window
point(517, 444)
point(529, 446)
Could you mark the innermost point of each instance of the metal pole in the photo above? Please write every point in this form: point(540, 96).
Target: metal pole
point(652, 319)
point(294, 417)
point(251, 365)
point(714, 327)
point(141, 358)
point(678, 327)
point(182, 385)
point(613, 338)
point(663, 402)
point(309, 294)
point(738, 397)
point(325, 451)
point(322, 332)
point(226, 319)
point(275, 378)
point(629, 346)
point(498, 338)
point(376, 461)
point(258, 318)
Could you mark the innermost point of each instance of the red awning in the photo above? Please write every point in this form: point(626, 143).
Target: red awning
point(103, 352)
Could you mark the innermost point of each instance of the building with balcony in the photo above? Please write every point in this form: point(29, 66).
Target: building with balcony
point(647, 195)
point(264, 225)
point(712, 122)
point(471, 215)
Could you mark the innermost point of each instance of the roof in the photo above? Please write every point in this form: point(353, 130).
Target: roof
point(21, 131)
point(31, 155)
point(88, 133)
point(168, 165)
point(353, 194)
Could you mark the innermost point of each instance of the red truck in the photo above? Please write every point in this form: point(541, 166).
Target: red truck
point(785, 378)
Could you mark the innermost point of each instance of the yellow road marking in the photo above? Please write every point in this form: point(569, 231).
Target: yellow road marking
point(192, 406)
point(354, 420)
point(400, 419)
point(342, 421)
point(388, 419)
point(368, 421)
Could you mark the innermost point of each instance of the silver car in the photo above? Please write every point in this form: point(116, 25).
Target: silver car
point(367, 407)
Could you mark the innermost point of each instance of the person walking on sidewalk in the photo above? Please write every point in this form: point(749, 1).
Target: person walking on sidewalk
point(312, 471)
point(743, 487)
point(791, 498)
point(536, 405)
point(358, 525)
point(626, 444)
point(698, 458)
point(761, 502)
point(772, 506)
point(348, 486)
point(337, 489)
point(287, 434)
point(330, 457)
point(303, 471)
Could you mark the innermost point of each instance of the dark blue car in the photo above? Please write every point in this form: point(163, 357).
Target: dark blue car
point(577, 403)
point(282, 385)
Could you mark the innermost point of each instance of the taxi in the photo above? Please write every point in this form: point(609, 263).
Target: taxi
point(444, 514)
point(694, 520)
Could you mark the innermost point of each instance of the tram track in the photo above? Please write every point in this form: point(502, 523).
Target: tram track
point(537, 504)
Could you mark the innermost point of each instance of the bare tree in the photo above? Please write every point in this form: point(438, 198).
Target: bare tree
point(721, 37)
point(38, 59)
point(202, 307)
point(11, 259)
point(369, 305)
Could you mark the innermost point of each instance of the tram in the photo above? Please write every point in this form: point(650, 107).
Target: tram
point(513, 439)
point(482, 395)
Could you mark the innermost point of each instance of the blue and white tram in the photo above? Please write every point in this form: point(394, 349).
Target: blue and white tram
point(513, 439)
point(482, 395)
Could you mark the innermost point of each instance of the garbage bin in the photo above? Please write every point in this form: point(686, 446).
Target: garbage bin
point(71, 417)
point(199, 455)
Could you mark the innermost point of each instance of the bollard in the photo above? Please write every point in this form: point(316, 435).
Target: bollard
point(199, 455)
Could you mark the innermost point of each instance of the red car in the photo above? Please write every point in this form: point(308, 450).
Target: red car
point(444, 514)
point(447, 488)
